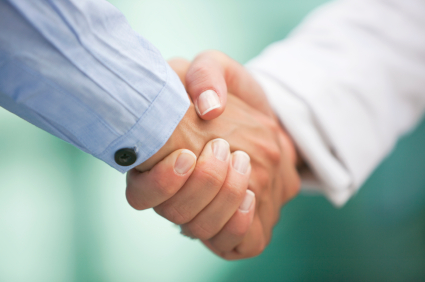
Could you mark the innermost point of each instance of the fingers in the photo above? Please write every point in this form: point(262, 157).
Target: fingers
point(237, 227)
point(230, 198)
point(203, 185)
point(206, 85)
point(250, 244)
point(212, 75)
point(150, 188)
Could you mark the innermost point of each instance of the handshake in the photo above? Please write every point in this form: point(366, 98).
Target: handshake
point(227, 169)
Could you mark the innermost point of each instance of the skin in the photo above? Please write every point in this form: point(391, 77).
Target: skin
point(205, 201)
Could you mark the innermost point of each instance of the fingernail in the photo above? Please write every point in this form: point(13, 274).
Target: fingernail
point(207, 102)
point(184, 162)
point(221, 149)
point(240, 161)
point(247, 201)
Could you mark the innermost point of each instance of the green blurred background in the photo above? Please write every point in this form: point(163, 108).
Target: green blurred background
point(64, 217)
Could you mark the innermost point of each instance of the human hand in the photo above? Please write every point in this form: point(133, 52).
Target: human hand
point(212, 75)
point(274, 178)
point(215, 71)
point(209, 197)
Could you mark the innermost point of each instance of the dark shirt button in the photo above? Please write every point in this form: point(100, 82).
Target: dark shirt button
point(125, 157)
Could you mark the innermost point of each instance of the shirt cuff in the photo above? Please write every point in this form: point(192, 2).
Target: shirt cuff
point(326, 173)
point(154, 127)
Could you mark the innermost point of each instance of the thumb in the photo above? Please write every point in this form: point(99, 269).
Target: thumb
point(151, 188)
point(212, 75)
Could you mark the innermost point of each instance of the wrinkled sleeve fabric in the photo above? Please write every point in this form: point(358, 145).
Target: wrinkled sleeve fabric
point(76, 69)
point(347, 83)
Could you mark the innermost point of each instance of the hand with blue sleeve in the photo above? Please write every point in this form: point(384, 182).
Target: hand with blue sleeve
point(77, 70)
point(230, 201)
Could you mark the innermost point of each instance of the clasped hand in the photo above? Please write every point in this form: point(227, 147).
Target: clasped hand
point(224, 175)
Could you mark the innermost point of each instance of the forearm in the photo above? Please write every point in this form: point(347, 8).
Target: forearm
point(77, 70)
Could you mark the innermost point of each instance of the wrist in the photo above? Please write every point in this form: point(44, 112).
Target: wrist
point(185, 136)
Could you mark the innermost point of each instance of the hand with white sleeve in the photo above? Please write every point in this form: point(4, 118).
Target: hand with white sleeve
point(205, 202)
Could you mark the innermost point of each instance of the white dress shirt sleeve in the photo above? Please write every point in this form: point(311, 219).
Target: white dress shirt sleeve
point(76, 69)
point(347, 84)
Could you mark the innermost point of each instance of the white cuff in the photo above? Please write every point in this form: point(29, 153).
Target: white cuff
point(328, 175)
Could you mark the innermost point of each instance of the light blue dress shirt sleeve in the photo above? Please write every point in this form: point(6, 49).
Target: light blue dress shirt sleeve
point(76, 69)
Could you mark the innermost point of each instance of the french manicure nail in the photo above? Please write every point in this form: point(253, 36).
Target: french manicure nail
point(240, 161)
point(184, 162)
point(247, 201)
point(221, 149)
point(207, 102)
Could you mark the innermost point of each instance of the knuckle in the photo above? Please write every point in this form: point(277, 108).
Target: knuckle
point(211, 177)
point(273, 125)
point(227, 256)
point(262, 178)
point(271, 148)
point(198, 77)
point(259, 248)
point(134, 201)
point(163, 187)
point(237, 230)
point(234, 192)
point(273, 153)
point(173, 214)
point(200, 231)
point(270, 151)
point(202, 71)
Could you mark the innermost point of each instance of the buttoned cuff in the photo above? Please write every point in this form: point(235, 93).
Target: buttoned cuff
point(155, 126)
